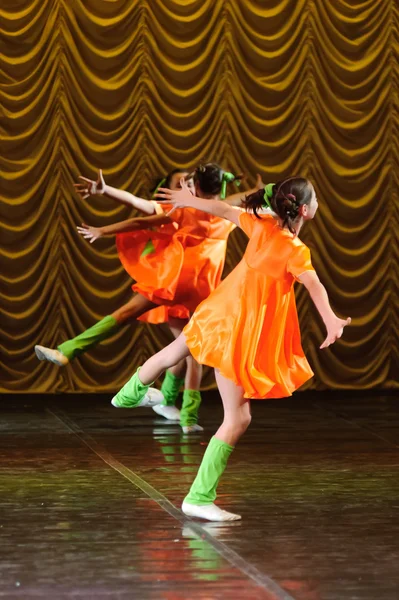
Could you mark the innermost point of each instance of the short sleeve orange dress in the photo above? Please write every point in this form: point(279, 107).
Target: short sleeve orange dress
point(185, 263)
point(248, 327)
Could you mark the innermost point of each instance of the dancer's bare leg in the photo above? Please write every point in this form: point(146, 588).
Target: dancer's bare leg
point(237, 410)
point(188, 416)
point(164, 359)
point(137, 392)
point(133, 309)
point(176, 326)
point(173, 379)
point(237, 417)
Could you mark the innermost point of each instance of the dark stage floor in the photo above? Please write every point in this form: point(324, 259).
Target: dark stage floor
point(89, 499)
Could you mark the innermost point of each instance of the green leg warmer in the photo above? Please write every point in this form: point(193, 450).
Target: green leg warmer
point(214, 462)
point(171, 388)
point(132, 392)
point(190, 407)
point(100, 331)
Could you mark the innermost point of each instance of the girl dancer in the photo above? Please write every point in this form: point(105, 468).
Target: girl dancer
point(248, 327)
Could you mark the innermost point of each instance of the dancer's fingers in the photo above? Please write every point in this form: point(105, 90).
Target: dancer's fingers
point(85, 179)
point(259, 182)
point(163, 193)
point(325, 344)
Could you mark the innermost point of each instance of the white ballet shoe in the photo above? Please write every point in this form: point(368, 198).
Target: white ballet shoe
point(54, 356)
point(192, 428)
point(152, 398)
point(209, 512)
point(171, 413)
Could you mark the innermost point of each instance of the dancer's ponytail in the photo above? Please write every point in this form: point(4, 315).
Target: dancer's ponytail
point(284, 198)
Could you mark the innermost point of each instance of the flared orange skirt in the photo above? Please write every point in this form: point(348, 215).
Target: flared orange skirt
point(141, 254)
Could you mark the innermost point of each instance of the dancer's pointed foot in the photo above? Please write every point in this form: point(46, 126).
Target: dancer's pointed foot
point(54, 356)
point(209, 512)
point(151, 398)
point(192, 429)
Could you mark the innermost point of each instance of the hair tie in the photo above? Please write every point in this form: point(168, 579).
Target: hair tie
point(160, 184)
point(267, 196)
point(226, 178)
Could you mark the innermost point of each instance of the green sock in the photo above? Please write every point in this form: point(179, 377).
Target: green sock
point(171, 388)
point(190, 407)
point(214, 462)
point(132, 392)
point(79, 344)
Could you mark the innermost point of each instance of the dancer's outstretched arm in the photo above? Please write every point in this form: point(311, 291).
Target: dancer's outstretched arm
point(238, 198)
point(318, 293)
point(94, 233)
point(89, 187)
point(184, 198)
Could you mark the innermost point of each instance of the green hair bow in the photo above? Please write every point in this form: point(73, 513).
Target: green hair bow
point(227, 178)
point(268, 195)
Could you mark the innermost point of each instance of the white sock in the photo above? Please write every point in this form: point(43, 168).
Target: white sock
point(210, 512)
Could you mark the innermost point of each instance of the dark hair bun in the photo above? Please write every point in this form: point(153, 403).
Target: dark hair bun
point(209, 178)
point(287, 197)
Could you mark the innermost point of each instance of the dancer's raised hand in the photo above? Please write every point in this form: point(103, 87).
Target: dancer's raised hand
point(90, 233)
point(179, 198)
point(89, 187)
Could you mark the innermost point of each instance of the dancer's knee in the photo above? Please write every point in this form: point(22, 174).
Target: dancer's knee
point(237, 425)
point(245, 421)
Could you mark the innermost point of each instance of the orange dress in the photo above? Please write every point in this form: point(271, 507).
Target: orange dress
point(248, 327)
point(185, 263)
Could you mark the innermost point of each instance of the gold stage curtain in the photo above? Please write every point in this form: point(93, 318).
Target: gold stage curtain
point(139, 87)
